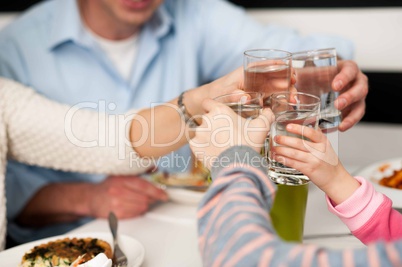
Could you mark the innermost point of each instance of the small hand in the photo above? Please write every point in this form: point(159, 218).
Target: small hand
point(314, 156)
point(222, 128)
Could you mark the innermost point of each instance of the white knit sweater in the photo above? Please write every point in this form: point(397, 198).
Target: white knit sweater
point(38, 131)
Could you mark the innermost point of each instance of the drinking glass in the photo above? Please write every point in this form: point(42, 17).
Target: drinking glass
point(295, 108)
point(245, 104)
point(289, 207)
point(288, 211)
point(315, 70)
point(267, 71)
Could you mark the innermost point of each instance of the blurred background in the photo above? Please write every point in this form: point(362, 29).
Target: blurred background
point(372, 25)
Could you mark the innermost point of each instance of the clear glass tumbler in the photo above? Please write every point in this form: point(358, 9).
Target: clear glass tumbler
point(315, 70)
point(245, 104)
point(267, 71)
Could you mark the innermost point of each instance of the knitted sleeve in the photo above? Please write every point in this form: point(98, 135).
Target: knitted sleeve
point(45, 133)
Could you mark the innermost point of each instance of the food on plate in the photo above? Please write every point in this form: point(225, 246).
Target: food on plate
point(199, 168)
point(64, 252)
point(394, 180)
point(182, 179)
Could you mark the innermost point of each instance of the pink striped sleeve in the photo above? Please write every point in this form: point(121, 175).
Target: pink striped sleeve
point(235, 229)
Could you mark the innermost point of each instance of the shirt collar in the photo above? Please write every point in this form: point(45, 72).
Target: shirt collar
point(161, 22)
point(67, 24)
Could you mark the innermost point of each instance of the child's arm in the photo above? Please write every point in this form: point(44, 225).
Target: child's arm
point(316, 159)
point(367, 213)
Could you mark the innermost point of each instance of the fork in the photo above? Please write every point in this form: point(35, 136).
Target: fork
point(119, 258)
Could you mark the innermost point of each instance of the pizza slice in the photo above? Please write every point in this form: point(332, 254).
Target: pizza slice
point(64, 252)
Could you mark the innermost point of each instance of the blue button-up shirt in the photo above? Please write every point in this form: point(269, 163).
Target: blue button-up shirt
point(185, 44)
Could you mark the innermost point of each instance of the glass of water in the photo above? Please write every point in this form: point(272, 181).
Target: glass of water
point(315, 70)
point(246, 104)
point(290, 108)
point(267, 71)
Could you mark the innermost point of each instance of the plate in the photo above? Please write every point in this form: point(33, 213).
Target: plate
point(182, 189)
point(373, 174)
point(196, 182)
point(185, 196)
point(133, 249)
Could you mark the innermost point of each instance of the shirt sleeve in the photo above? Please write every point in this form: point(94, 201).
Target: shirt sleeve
point(45, 133)
point(369, 214)
point(223, 24)
point(234, 227)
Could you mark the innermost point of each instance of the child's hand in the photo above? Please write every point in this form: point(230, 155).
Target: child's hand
point(222, 128)
point(314, 156)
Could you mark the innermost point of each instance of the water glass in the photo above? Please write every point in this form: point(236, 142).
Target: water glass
point(246, 104)
point(295, 108)
point(315, 70)
point(267, 71)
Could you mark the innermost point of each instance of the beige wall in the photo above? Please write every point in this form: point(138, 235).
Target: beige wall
point(376, 32)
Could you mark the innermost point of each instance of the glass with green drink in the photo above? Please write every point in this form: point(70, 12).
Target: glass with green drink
point(269, 71)
point(290, 203)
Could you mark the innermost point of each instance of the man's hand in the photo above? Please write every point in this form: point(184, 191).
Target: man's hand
point(126, 196)
point(353, 87)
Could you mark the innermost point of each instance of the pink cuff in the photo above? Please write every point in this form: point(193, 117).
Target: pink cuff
point(359, 207)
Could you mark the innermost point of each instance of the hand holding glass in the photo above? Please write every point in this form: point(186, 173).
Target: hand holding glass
point(245, 104)
point(299, 108)
point(289, 207)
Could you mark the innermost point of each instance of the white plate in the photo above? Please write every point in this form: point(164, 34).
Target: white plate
point(185, 196)
point(182, 193)
point(133, 249)
point(373, 174)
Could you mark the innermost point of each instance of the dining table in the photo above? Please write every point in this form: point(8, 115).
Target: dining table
point(168, 232)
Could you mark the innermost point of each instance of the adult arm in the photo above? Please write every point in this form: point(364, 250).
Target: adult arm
point(235, 228)
point(127, 196)
point(42, 132)
point(160, 130)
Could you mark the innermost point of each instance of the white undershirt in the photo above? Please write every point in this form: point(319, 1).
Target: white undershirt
point(122, 53)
